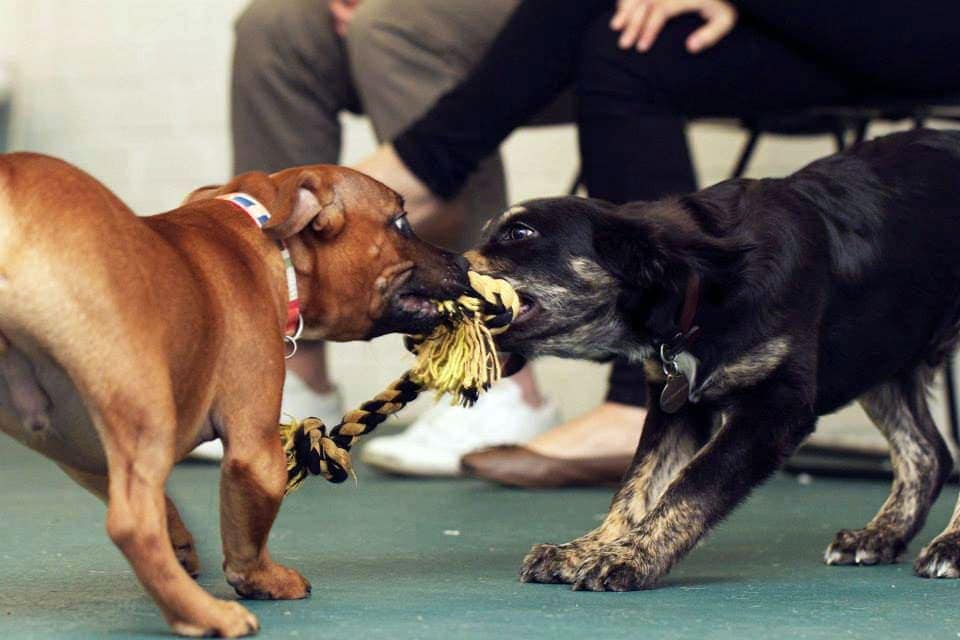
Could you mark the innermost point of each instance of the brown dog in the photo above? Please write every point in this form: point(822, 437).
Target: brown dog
point(126, 341)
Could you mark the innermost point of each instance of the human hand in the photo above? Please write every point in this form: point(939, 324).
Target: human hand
point(640, 21)
point(342, 11)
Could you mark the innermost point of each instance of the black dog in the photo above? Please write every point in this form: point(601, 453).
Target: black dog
point(757, 305)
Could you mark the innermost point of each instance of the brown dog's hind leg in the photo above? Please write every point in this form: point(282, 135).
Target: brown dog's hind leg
point(180, 536)
point(252, 484)
point(182, 541)
point(666, 445)
point(920, 465)
point(138, 432)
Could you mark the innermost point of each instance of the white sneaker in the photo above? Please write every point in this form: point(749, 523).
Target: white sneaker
point(434, 444)
point(299, 401)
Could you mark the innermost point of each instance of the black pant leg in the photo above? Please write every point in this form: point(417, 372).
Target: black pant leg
point(529, 63)
point(887, 47)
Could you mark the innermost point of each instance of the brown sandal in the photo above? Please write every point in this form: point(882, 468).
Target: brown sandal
point(517, 466)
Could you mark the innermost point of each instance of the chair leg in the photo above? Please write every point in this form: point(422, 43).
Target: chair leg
point(860, 133)
point(577, 182)
point(952, 409)
point(840, 138)
point(746, 154)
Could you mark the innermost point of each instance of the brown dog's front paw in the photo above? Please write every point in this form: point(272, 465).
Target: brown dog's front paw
point(548, 564)
point(940, 559)
point(615, 568)
point(864, 546)
point(221, 619)
point(270, 582)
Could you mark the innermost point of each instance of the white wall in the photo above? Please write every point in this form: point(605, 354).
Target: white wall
point(131, 90)
point(135, 91)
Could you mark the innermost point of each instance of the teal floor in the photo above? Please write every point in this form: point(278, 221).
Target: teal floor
point(385, 563)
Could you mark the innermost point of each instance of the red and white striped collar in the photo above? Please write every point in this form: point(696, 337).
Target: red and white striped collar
point(260, 216)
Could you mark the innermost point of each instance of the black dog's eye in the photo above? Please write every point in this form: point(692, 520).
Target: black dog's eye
point(401, 225)
point(517, 231)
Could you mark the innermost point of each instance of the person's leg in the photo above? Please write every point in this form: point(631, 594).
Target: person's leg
point(290, 80)
point(894, 48)
point(403, 55)
point(529, 63)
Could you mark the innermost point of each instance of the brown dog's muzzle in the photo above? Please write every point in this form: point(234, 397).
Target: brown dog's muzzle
point(410, 301)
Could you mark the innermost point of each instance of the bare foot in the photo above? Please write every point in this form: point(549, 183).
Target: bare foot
point(386, 166)
point(611, 429)
point(434, 219)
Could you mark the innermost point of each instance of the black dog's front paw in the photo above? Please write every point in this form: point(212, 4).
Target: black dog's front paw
point(548, 564)
point(864, 546)
point(940, 559)
point(616, 568)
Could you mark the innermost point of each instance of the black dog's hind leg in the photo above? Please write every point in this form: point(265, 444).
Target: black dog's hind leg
point(941, 558)
point(920, 465)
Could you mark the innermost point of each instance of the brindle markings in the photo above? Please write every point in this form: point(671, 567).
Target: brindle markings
point(941, 558)
point(901, 413)
point(658, 462)
point(591, 327)
point(591, 273)
point(748, 370)
point(478, 261)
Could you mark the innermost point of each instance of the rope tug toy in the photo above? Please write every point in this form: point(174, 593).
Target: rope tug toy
point(459, 358)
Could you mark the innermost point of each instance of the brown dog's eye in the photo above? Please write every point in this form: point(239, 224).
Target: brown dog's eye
point(516, 232)
point(403, 226)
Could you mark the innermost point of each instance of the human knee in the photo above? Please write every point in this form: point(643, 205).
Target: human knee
point(376, 24)
point(262, 22)
point(270, 28)
point(607, 74)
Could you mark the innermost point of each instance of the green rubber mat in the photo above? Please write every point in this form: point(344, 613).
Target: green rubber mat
point(395, 559)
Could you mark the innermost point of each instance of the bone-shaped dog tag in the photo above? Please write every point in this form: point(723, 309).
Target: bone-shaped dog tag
point(675, 393)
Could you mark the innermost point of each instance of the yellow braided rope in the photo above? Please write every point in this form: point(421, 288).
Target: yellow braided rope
point(459, 357)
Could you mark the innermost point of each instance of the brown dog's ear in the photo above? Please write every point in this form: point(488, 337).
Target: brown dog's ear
point(203, 193)
point(306, 198)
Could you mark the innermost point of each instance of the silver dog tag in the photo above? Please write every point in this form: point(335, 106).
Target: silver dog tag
point(675, 393)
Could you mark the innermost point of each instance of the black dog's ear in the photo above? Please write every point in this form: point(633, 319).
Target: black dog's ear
point(627, 251)
point(660, 248)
